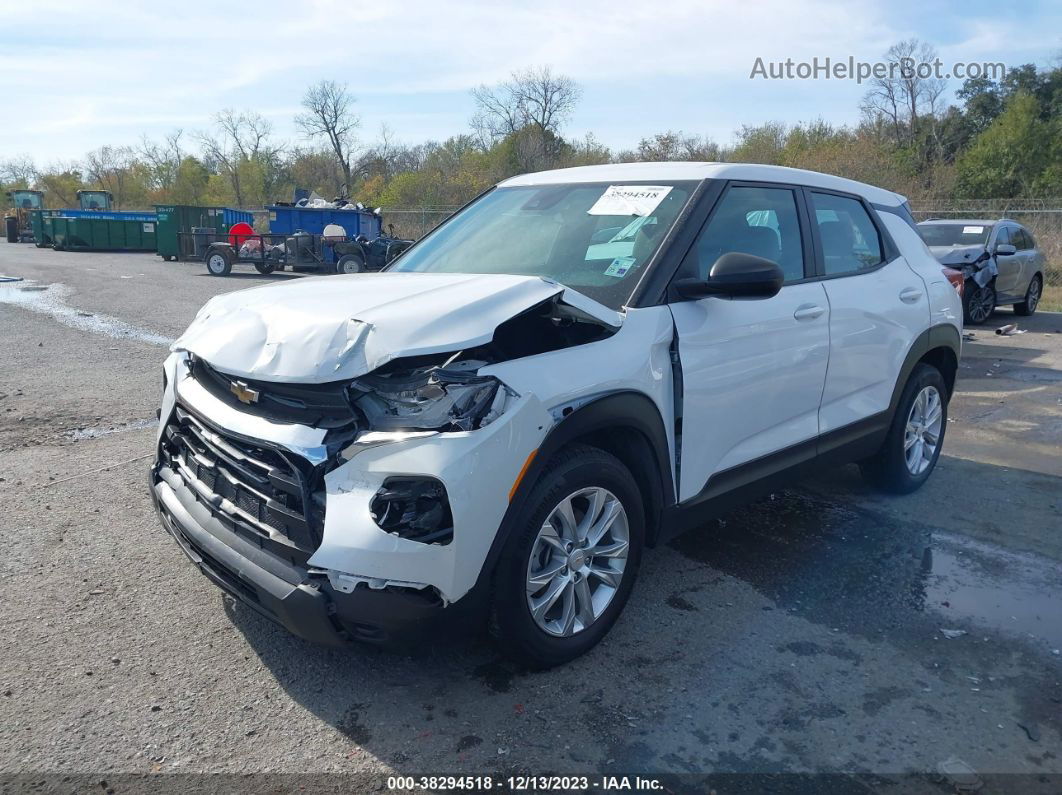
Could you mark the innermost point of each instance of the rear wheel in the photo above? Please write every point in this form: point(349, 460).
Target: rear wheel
point(219, 262)
point(1032, 297)
point(912, 446)
point(978, 303)
point(265, 268)
point(350, 263)
point(571, 559)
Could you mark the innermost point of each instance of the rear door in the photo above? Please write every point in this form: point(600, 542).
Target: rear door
point(878, 307)
point(752, 370)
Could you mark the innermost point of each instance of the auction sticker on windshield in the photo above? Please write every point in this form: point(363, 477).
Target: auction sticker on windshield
point(620, 266)
point(629, 200)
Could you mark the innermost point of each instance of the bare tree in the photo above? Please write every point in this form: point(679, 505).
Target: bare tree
point(19, 170)
point(534, 97)
point(109, 167)
point(241, 137)
point(674, 146)
point(163, 159)
point(329, 114)
point(909, 92)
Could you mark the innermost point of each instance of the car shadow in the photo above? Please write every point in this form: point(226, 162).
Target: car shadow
point(733, 601)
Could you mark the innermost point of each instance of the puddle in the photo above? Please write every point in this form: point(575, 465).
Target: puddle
point(81, 434)
point(866, 573)
point(51, 300)
point(990, 586)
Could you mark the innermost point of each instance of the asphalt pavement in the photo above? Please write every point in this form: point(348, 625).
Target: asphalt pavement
point(823, 629)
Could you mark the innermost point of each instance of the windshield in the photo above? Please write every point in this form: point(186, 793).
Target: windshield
point(595, 238)
point(955, 234)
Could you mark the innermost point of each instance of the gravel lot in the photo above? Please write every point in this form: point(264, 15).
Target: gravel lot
point(803, 633)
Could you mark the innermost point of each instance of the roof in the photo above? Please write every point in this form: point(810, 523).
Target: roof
point(678, 171)
point(963, 221)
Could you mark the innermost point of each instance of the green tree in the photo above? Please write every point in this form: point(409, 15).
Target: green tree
point(1008, 158)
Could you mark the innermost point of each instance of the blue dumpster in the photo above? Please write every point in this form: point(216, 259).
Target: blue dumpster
point(285, 220)
point(232, 217)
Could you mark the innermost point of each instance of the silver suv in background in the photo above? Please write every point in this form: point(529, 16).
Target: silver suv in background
point(999, 261)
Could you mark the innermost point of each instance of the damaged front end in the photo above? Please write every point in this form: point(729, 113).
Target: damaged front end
point(391, 482)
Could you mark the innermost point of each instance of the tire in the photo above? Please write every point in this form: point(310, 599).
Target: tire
point(978, 303)
point(897, 467)
point(1032, 297)
point(575, 475)
point(350, 263)
point(265, 268)
point(219, 262)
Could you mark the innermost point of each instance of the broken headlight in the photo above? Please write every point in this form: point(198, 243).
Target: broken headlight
point(451, 397)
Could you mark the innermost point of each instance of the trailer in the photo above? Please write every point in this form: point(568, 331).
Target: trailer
point(205, 224)
point(354, 222)
point(101, 231)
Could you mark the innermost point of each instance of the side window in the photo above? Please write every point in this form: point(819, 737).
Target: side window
point(1020, 239)
point(1003, 236)
point(759, 221)
point(850, 241)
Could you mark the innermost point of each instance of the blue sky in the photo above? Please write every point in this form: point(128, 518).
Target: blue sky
point(79, 75)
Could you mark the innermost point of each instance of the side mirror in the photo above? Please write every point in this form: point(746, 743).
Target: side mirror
point(736, 275)
point(1005, 250)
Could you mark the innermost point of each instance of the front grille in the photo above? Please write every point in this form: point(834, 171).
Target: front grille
point(317, 405)
point(252, 487)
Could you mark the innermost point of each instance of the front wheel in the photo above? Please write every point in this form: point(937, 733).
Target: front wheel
point(265, 268)
point(219, 263)
point(916, 435)
point(571, 559)
point(978, 303)
point(1032, 297)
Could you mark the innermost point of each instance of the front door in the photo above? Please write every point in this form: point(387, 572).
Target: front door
point(752, 370)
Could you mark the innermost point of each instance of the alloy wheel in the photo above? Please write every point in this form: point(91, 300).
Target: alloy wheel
point(577, 561)
point(922, 435)
point(981, 304)
point(1033, 297)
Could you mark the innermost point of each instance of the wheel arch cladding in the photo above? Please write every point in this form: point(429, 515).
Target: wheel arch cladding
point(629, 426)
point(938, 346)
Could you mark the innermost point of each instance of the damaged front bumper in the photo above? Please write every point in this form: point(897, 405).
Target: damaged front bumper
point(357, 582)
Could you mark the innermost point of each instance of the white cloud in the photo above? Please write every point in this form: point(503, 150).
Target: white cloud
point(81, 74)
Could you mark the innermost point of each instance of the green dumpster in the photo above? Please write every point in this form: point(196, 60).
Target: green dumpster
point(102, 234)
point(42, 230)
point(176, 222)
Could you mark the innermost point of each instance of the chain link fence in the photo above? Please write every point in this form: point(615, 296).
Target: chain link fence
point(413, 224)
point(1042, 217)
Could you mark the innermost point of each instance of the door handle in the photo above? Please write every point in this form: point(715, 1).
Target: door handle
point(808, 312)
point(910, 294)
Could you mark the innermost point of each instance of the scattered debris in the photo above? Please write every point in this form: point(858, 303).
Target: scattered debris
point(969, 335)
point(1009, 330)
point(10, 278)
point(963, 777)
point(953, 633)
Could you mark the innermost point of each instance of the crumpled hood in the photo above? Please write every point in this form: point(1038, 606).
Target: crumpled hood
point(956, 255)
point(316, 330)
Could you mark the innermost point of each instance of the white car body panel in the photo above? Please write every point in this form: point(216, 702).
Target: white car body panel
point(643, 172)
point(342, 327)
point(478, 469)
point(871, 330)
point(758, 376)
point(753, 376)
point(945, 306)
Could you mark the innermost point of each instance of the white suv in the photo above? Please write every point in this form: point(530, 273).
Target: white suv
point(573, 367)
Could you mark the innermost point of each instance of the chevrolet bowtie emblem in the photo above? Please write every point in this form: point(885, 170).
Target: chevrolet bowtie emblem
point(244, 393)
